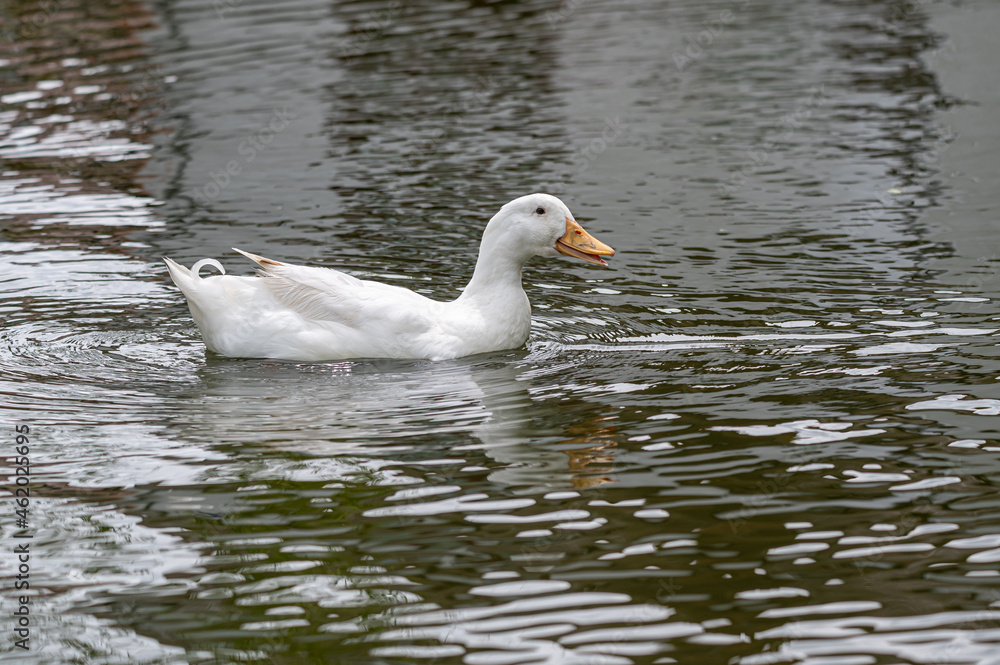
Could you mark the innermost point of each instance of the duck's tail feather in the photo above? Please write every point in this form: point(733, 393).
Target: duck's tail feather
point(259, 260)
point(184, 277)
point(178, 273)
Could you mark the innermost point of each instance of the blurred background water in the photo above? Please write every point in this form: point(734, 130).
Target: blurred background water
point(767, 434)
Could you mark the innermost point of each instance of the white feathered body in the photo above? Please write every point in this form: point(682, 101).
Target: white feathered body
point(308, 313)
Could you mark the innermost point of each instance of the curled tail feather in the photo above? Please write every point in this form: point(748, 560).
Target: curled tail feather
point(196, 268)
point(179, 271)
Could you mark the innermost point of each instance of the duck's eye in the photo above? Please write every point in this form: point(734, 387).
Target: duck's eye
point(539, 211)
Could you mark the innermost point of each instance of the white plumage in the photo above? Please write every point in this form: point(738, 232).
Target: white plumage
point(306, 313)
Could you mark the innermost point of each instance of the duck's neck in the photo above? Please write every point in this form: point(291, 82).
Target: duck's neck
point(498, 270)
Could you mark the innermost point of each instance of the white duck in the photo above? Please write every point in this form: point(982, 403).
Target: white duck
point(303, 313)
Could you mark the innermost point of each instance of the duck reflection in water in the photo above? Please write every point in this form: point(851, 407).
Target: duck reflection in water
point(354, 412)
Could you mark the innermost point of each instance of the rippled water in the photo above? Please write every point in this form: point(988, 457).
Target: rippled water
point(767, 434)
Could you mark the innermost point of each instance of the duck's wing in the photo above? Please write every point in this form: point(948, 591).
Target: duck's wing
point(326, 295)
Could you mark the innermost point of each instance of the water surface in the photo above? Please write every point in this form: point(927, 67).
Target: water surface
point(766, 434)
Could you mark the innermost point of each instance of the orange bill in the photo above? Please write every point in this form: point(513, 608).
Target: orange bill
point(582, 245)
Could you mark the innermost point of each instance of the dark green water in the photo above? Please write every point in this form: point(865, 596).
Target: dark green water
point(767, 434)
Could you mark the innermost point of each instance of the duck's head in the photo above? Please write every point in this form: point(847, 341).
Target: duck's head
point(542, 225)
